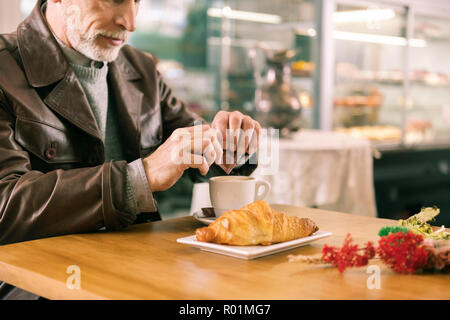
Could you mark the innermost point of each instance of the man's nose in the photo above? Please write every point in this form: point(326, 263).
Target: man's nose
point(126, 16)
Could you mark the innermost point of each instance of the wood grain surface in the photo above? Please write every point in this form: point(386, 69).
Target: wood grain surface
point(145, 262)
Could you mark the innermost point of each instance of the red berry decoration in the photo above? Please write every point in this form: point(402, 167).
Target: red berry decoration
point(403, 252)
point(348, 255)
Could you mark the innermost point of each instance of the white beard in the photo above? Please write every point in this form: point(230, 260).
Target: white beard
point(85, 43)
point(87, 46)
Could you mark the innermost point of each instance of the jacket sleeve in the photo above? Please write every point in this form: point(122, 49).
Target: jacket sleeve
point(35, 205)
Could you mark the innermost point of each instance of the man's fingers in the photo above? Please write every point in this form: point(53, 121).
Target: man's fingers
point(197, 146)
point(212, 134)
point(253, 145)
point(240, 133)
point(210, 154)
point(200, 140)
point(234, 130)
point(220, 123)
point(202, 127)
point(200, 163)
point(258, 133)
point(254, 141)
point(248, 125)
point(205, 146)
point(190, 133)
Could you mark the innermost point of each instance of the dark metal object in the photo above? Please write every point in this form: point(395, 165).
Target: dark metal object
point(277, 103)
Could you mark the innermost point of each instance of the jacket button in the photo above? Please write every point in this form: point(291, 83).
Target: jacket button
point(50, 153)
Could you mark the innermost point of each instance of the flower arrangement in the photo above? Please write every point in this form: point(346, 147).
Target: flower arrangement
point(410, 247)
point(402, 252)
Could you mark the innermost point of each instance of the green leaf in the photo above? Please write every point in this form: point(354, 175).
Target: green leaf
point(391, 229)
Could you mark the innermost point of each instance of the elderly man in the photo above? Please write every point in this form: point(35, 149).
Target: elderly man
point(88, 127)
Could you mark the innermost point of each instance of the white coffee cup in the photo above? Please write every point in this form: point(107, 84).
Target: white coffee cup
point(234, 192)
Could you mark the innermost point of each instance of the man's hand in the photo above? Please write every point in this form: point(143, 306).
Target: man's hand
point(200, 146)
point(193, 147)
point(239, 135)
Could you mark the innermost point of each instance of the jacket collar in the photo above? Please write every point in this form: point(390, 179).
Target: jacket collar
point(45, 64)
point(42, 58)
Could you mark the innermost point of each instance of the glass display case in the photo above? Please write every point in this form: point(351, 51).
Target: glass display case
point(428, 107)
point(385, 76)
point(370, 50)
point(390, 72)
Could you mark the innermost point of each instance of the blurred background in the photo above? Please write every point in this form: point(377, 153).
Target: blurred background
point(375, 70)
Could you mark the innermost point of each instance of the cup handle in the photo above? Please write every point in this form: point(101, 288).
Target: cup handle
point(261, 184)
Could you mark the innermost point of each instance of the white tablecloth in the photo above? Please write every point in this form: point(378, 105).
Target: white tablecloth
point(319, 169)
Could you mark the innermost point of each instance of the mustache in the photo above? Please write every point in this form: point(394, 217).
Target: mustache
point(121, 35)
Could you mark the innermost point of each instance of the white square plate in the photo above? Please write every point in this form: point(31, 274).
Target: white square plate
point(252, 252)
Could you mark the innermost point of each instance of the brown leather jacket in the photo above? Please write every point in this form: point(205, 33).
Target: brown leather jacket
point(53, 179)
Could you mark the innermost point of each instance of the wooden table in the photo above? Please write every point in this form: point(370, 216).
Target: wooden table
point(145, 262)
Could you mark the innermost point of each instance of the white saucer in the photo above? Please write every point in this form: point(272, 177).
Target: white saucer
point(202, 218)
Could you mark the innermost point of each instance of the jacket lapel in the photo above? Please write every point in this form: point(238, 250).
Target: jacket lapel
point(69, 100)
point(128, 102)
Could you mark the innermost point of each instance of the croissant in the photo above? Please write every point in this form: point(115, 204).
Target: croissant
point(254, 224)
